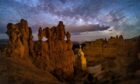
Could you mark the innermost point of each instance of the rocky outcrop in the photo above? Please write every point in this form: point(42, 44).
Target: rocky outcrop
point(54, 54)
point(18, 39)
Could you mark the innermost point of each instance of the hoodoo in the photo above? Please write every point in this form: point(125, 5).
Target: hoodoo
point(54, 54)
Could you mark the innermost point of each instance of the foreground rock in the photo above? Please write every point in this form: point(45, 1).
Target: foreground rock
point(17, 71)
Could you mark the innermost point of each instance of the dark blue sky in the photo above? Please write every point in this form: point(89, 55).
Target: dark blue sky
point(85, 19)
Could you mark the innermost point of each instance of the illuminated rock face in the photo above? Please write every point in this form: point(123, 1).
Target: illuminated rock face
point(83, 59)
point(18, 39)
point(54, 54)
point(80, 60)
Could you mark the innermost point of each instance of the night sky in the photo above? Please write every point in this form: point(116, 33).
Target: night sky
point(85, 19)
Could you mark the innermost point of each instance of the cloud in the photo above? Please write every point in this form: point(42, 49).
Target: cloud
point(87, 28)
point(78, 15)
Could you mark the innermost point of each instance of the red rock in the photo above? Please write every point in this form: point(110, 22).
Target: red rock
point(52, 54)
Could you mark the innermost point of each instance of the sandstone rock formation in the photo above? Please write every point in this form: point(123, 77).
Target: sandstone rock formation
point(115, 54)
point(80, 60)
point(55, 54)
point(18, 39)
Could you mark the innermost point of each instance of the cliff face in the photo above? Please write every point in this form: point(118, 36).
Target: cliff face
point(115, 54)
point(55, 54)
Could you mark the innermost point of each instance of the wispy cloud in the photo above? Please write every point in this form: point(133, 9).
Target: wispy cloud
point(78, 15)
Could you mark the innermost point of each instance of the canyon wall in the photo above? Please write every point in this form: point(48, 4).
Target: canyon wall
point(115, 54)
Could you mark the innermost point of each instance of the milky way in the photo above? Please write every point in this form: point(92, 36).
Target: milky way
point(85, 19)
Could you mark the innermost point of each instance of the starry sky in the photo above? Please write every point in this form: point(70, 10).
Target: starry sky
point(85, 19)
